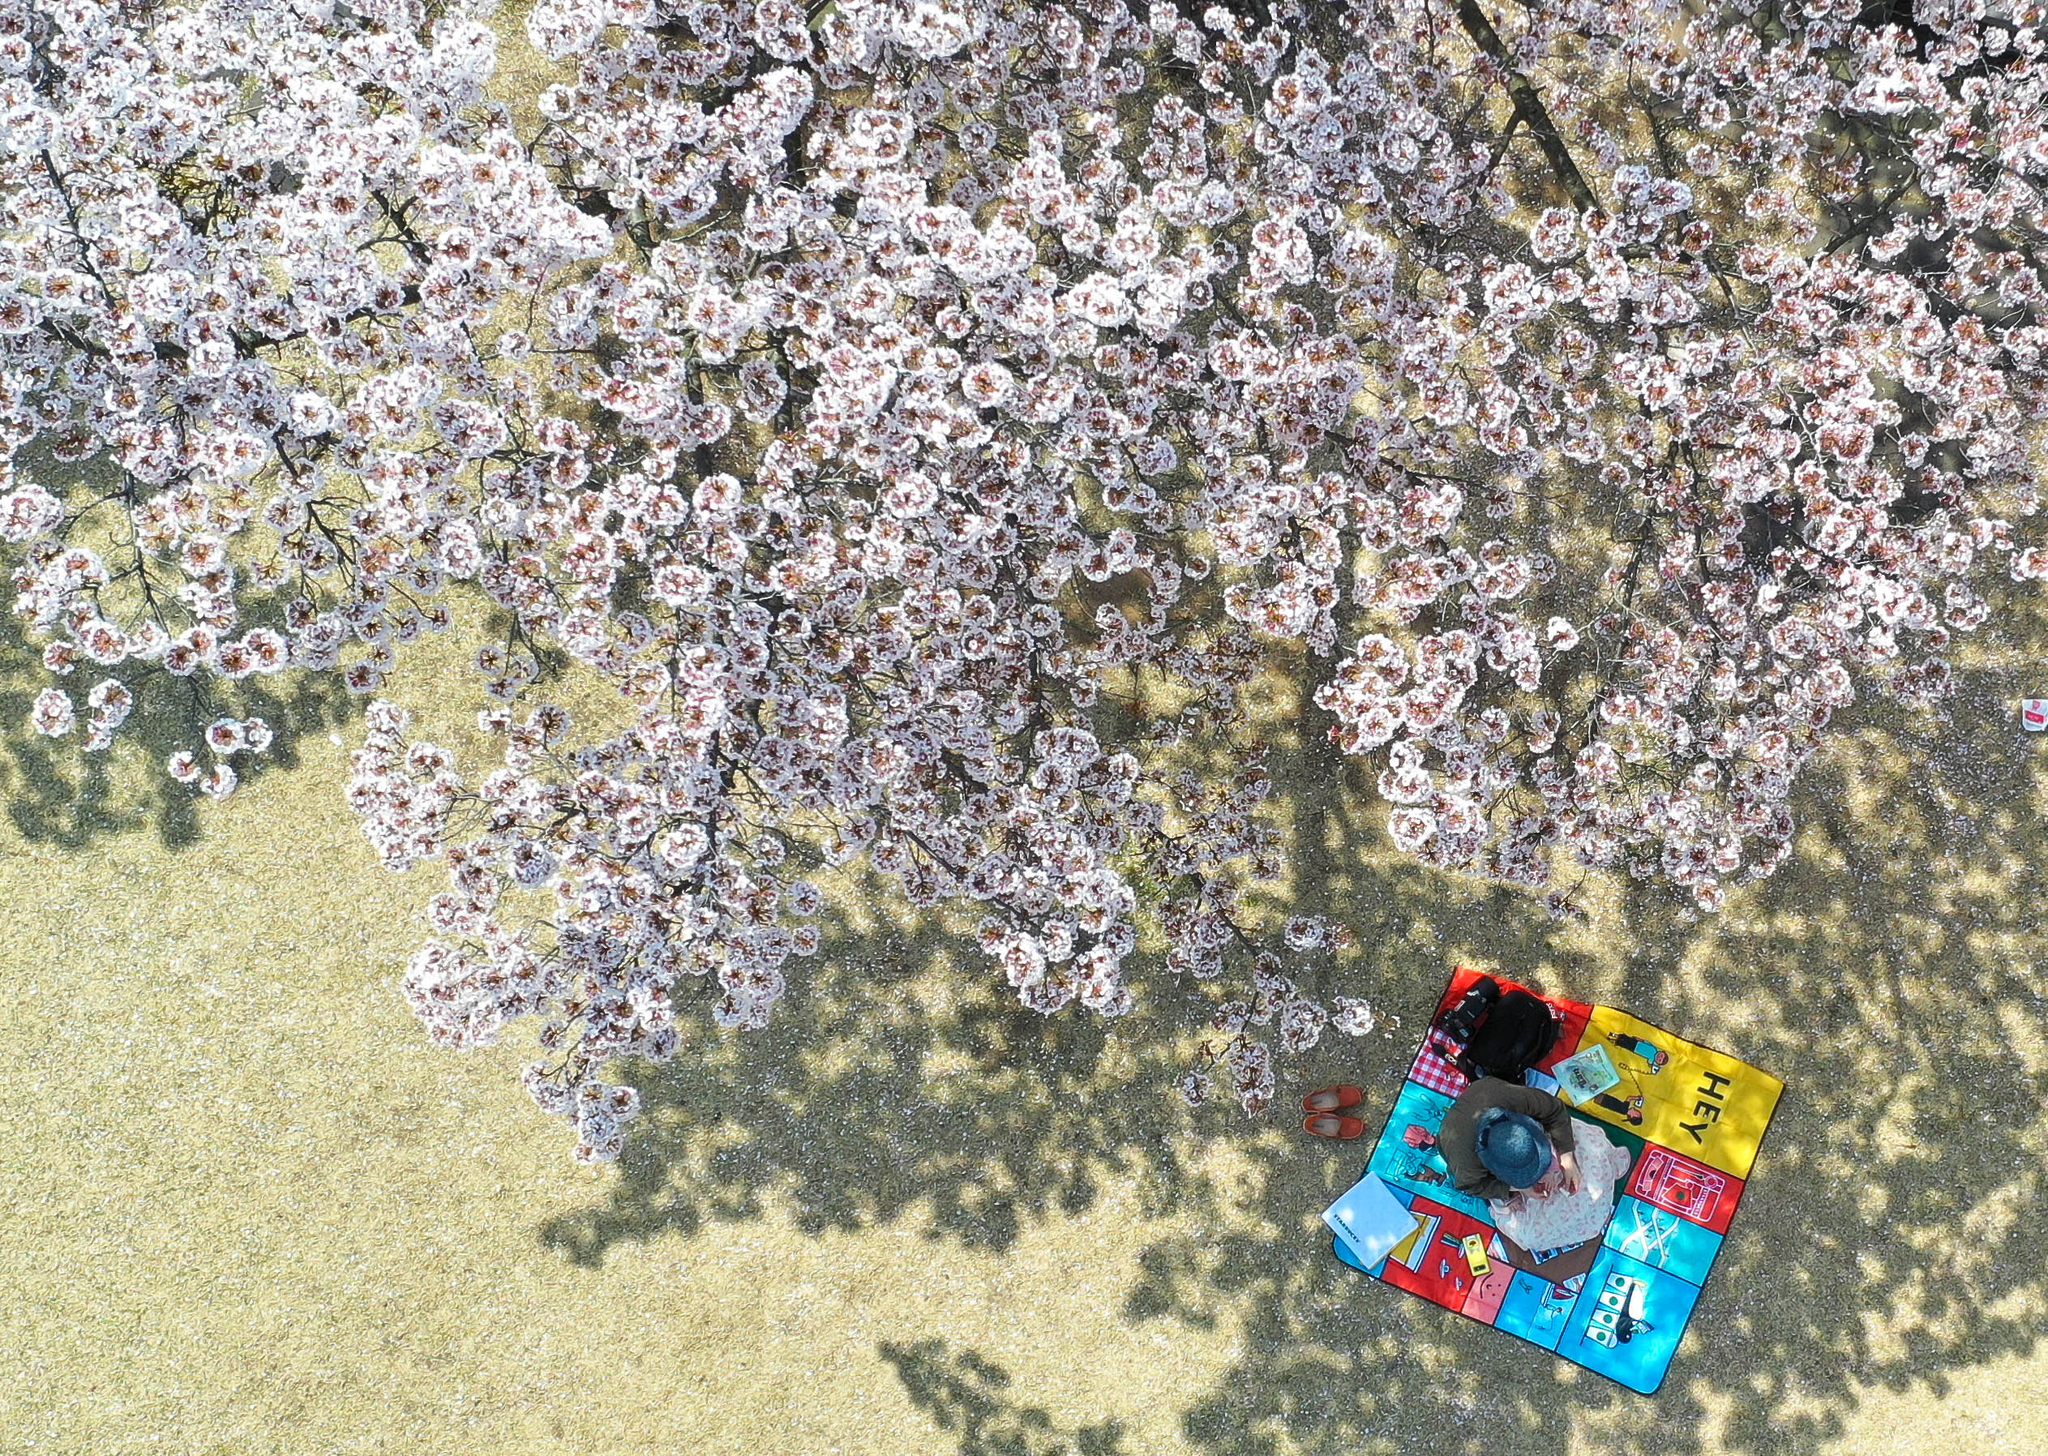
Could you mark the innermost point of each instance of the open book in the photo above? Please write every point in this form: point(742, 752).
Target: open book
point(1411, 1249)
point(1584, 1076)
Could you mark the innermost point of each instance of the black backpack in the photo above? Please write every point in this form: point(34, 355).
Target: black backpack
point(1499, 1033)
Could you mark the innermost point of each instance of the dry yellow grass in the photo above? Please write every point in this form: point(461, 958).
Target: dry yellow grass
point(249, 1210)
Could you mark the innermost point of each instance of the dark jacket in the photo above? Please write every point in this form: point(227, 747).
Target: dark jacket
point(1458, 1138)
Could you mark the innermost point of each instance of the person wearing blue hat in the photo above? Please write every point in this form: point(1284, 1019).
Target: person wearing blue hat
point(1503, 1141)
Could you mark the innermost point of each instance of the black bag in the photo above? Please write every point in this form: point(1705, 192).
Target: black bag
point(1502, 1034)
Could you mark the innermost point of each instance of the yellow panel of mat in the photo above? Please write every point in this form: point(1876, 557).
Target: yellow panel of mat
point(1687, 1097)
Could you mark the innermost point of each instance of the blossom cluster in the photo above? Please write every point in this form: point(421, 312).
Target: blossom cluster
point(895, 407)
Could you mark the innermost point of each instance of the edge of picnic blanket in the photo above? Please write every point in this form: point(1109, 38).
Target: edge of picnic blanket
point(1388, 1121)
point(1722, 1247)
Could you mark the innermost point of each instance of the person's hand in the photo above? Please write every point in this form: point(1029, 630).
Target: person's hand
point(1568, 1165)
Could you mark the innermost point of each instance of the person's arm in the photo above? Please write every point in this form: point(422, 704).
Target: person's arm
point(1484, 1186)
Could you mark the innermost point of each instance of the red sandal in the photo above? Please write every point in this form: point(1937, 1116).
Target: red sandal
point(1333, 1099)
point(1346, 1127)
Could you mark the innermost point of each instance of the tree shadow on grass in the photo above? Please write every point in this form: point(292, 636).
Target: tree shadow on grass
point(888, 1083)
point(60, 794)
point(1890, 1233)
point(966, 1393)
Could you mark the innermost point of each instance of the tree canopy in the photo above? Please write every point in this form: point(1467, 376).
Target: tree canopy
point(928, 415)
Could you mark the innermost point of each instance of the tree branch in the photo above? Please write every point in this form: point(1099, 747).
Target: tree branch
point(1528, 106)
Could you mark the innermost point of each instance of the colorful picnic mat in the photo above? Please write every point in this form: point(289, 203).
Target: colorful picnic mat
point(1690, 1120)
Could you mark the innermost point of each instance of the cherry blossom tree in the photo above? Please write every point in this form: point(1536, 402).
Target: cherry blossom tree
point(930, 416)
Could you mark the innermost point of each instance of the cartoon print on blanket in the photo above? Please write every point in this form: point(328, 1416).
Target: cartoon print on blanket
point(1607, 1278)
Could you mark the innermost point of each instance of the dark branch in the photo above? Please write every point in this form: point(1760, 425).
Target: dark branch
point(1528, 106)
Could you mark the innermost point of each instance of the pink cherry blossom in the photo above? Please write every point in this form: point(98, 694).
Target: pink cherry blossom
point(870, 400)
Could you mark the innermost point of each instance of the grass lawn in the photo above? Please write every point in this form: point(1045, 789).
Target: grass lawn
point(250, 1210)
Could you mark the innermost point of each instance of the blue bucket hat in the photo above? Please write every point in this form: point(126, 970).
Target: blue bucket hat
point(1513, 1146)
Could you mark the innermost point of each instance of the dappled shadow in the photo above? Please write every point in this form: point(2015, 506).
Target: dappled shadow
point(967, 1394)
point(67, 797)
point(60, 794)
point(1890, 1233)
point(889, 1082)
